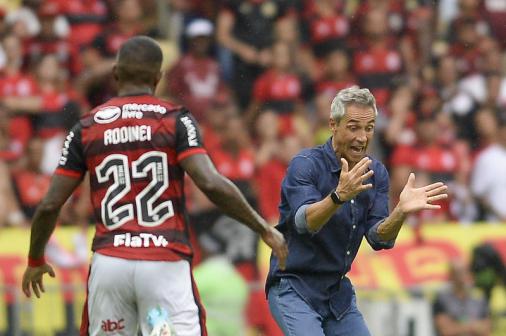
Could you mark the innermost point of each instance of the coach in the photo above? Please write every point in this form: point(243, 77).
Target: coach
point(332, 196)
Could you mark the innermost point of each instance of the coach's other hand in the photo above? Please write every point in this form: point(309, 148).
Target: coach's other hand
point(276, 241)
point(33, 278)
point(414, 199)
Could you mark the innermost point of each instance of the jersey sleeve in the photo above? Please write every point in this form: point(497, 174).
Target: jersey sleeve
point(188, 138)
point(72, 162)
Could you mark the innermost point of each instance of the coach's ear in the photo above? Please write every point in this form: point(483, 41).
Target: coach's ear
point(332, 124)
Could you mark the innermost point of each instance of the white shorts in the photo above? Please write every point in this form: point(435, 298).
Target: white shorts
point(125, 296)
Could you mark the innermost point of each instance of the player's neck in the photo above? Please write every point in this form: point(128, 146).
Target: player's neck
point(134, 90)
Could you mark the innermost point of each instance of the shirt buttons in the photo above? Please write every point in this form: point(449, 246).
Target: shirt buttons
point(347, 252)
point(354, 226)
point(352, 201)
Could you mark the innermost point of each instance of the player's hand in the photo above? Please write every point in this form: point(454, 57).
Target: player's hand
point(276, 241)
point(351, 182)
point(33, 278)
point(414, 199)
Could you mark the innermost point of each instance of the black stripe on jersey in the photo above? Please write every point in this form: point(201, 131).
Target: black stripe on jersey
point(159, 141)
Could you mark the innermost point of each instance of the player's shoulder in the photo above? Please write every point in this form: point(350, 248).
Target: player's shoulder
point(131, 107)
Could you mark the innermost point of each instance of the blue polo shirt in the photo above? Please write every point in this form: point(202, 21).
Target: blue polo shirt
point(318, 262)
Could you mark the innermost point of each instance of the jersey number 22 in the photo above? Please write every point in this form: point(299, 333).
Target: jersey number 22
point(150, 213)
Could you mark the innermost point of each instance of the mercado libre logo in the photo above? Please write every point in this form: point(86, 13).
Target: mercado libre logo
point(107, 114)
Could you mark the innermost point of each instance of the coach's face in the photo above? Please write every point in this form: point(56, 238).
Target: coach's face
point(353, 133)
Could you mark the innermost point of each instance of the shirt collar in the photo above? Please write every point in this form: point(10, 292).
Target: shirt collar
point(335, 164)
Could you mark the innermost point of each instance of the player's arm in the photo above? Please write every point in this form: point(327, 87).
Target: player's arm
point(68, 176)
point(44, 220)
point(222, 192)
point(43, 224)
point(194, 160)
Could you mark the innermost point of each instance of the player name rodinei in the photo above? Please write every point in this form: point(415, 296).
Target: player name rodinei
point(126, 134)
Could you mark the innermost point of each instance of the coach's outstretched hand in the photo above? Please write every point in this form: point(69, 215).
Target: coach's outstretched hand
point(276, 241)
point(351, 182)
point(33, 278)
point(414, 199)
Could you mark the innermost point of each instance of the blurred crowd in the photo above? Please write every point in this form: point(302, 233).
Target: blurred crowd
point(259, 76)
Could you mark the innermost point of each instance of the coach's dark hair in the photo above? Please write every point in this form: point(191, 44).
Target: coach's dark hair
point(139, 61)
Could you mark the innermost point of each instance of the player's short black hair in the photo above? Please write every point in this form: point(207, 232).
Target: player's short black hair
point(139, 60)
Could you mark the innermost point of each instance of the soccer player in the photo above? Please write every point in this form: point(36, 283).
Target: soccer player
point(136, 149)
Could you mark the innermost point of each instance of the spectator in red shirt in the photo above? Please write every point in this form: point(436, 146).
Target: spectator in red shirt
point(127, 23)
point(54, 107)
point(30, 183)
point(87, 19)
point(195, 79)
point(267, 146)
point(336, 73)
point(15, 84)
point(278, 89)
point(430, 158)
point(466, 47)
point(377, 62)
point(469, 10)
point(50, 104)
point(14, 135)
point(222, 107)
point(96, 82)
point(324, 28)
point(273, 153)
point(248, 29)
point(272, 156)
point(397, 14)
point(48, 41)
point(235, 158)
point(13, 81)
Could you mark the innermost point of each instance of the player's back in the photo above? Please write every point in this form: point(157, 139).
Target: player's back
point(131, 147)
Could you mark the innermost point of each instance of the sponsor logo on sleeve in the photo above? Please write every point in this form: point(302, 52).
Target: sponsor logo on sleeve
point(107, 114)
point(65, 149)
point(191, 130)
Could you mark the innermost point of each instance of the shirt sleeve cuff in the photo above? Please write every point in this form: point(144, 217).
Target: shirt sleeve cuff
point(68, 172)
point(300, 219)
point(301, 222)
point(376, 241)
point(189, 152)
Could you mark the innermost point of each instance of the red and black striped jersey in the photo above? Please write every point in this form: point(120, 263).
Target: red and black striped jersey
point(132, 147)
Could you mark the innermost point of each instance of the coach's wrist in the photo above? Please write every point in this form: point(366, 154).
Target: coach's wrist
point(343, 196)
point(336, 197)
